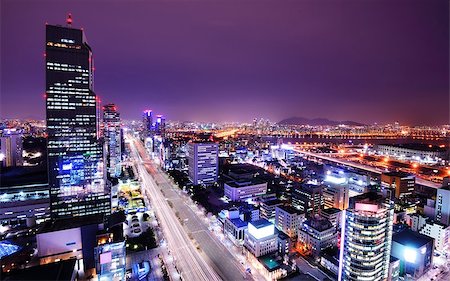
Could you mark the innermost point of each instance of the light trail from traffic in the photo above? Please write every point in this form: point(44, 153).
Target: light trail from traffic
point(188, 259)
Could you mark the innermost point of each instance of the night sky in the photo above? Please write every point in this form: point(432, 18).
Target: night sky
point(363, 60)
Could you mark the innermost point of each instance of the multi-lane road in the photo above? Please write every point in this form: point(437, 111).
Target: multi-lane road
point(197, 252)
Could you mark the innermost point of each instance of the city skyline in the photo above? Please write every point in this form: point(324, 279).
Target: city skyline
point(232, 59)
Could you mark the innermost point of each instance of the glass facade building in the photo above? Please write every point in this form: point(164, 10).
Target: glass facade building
point(113, 138)
point(366, 238)
point(203, 162)
point(75, 156)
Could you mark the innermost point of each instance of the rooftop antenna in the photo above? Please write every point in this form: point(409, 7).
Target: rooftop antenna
point(69, 20)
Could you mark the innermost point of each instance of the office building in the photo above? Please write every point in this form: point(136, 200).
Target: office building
point(366, 238)
point(333, 215)
point(436, 230)
point(394, 269)
point(308, 199)
point(113, 139)
point(244, 189)
point(288, 219)
point(75, 157)
point(335, 196)
point(442, 210)
point(110, 257)
point(11, 148)
point(147, 123)
point(415, 252)
point(260, 238)
point(160, 125)
point(317, 234)
point(234, 226)
point(203, 162)
point(267, 208)
point(402, 183)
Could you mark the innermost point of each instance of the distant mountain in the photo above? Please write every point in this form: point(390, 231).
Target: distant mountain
point(316, 122)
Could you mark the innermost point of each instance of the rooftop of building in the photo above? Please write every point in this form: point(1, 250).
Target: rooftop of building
point(243, 168)
point(318, 223)
point(68, 223)
point(411, 238)
point(419, 146)
point(272, 202)
point(282, 235)
point(398, 174)
point(8, 248)
point(289, 209)
point(260, 223)
point(269, 262)
point(244, 182)
point(239, 223)
point(368, 197)
point(330, 211)
point(62, 270)
point(22, 176)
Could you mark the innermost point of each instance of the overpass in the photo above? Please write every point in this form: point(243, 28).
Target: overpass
point(375, 170)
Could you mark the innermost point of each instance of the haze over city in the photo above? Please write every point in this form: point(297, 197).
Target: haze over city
point(365, 61)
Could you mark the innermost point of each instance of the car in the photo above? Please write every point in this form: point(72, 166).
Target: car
point(134, 217)
point(137, 230)
point(136, 224)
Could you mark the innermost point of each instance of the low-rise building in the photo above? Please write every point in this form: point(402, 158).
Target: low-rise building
point(334, 215)
point(234, 227)
point(415, 252)
point(317, 234)
point(244, 189)
point(436, 230)
point(267, 208)
point(260, 238)
point(402, 183)
point(288, 219)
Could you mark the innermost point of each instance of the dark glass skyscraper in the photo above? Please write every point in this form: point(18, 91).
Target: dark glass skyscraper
point(75, 157)
point(113, 137)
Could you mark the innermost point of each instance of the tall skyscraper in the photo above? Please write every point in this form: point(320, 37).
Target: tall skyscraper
point(203, 162)
point(113, 138)
point(147, 121)
point(366, 238)
point(11, 146)
point(75, 157)
point(160, 125)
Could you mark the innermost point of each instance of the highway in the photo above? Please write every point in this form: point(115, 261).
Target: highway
point(191, 264)
point(203, 253)
point(363, 167)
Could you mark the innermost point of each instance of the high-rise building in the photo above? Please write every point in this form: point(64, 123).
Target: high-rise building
point(75, 157)
point(366, 238)
point(113, 138)
point(160, 125)
point(403, 184)
point(203, 162)
point(11, 148)
point(308, 199)
point(335, 196)
point(147, 122)
point(442, 210)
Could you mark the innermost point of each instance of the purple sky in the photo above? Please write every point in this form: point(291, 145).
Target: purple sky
point(367, 61)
